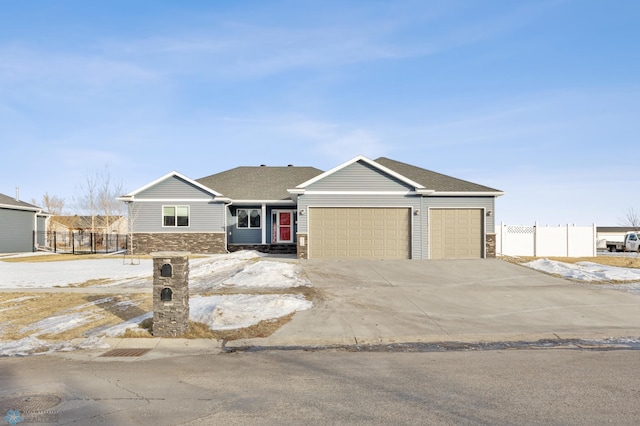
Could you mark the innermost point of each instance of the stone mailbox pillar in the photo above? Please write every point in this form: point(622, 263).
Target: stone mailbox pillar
point(170, 293)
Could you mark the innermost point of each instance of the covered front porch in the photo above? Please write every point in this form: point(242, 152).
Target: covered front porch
point(262, 227)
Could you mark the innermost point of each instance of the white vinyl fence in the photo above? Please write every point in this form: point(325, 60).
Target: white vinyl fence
point(550, 241)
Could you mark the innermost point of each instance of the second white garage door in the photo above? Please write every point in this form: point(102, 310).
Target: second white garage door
point(456, 233)
point(375, 233)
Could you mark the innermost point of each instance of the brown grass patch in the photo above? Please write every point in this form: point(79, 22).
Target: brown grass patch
point(310, 293)
point(89, 283)
point(19, 311)
point(198, 330)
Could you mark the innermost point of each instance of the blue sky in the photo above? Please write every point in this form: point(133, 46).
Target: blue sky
point(540, 99)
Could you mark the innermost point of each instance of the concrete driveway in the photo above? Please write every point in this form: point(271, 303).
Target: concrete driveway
point(373, 302)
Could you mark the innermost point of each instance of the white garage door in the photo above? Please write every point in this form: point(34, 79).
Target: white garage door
point(376, 233)
point(456, 234)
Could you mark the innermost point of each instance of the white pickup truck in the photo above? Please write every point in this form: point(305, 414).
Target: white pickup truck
point(630, 242)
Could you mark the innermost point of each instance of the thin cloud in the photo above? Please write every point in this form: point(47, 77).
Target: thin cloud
point(31, 64)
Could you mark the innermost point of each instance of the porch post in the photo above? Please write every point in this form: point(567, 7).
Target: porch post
point(263, 222)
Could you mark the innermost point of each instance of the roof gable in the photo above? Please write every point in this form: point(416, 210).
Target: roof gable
point(365, 161)
point(172, 185)
point(359, 177)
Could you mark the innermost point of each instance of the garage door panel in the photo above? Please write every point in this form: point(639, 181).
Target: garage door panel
point(456, 233)
point(365, 233)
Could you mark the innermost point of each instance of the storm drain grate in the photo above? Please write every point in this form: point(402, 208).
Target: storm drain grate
point(126, 352)
point(37, 402)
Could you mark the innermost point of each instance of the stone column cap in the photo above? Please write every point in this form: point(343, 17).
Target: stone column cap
point(170, 253)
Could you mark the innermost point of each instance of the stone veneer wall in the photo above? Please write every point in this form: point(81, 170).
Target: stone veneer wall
point(303, 246)
point(207, 243)
point(171, 317)
point(490, 246)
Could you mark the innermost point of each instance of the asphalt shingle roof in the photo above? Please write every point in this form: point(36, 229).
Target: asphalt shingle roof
point(259, 183)
point(433, 180)
point(5, 200)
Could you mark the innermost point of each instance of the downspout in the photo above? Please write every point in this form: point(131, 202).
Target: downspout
point(35, 231)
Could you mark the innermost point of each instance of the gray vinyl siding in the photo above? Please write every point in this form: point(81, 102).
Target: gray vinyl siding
point(245, 236)
point(359, 177)
point(173, 188)
point(203, 217)
point(308, 201)
point(16, 231)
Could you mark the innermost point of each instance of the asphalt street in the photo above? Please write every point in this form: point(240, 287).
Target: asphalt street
point(570, 387)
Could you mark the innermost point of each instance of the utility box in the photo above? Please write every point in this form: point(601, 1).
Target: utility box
point(170, 293)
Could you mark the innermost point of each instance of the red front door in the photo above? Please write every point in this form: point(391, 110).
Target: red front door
point(285, 227)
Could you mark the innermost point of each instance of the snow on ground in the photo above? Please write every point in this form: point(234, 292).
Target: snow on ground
point(627, 279)
point(585, 271)
point(243, 310)
point(268, 274)
point(64, 273)
point(227, 312)
point(120, 329)
point(246, 269)
point(210, 272)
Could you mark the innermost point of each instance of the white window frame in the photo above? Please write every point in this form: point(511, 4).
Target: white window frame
point(176, 206)
point(249, 210)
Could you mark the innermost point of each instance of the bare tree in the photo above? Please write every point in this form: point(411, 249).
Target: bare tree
point(51, 204)
point(631, 218)
point(132, 215)
point(98, 197)
point(107, 194)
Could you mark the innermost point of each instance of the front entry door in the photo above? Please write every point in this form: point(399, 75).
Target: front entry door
point(283, 226)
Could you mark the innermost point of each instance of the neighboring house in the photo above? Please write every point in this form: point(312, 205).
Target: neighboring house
point(612, 233)
point(362, 208)
point(20, 224)
point(99, 224)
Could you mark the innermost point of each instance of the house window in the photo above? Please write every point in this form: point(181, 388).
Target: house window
point(248, 218)
point(175, 216)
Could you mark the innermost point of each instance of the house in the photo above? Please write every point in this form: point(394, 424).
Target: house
point(20, 225)
point(97, 224)
point(362, 208)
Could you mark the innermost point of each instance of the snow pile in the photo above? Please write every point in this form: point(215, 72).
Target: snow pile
point(585, 271)
point(227, 312)
point(243, 310)
point(269, 274)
